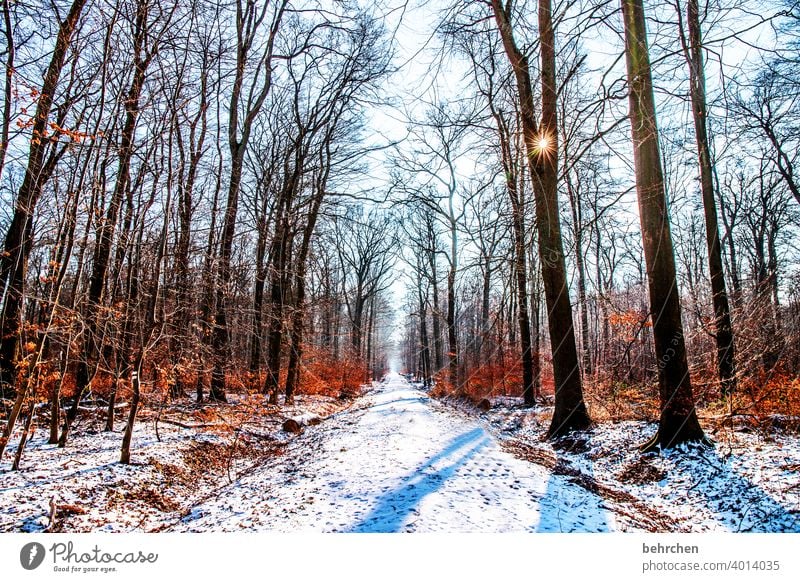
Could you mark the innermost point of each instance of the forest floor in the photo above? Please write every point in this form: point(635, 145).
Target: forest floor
point(395, 460)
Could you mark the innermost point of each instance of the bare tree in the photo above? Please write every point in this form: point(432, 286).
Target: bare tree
point(19, 236)
point(541, 143)
point(244, 106)
point(693, 51)
point(678, 422)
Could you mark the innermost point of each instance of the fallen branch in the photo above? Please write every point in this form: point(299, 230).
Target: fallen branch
point(254, 434)
point(118, 406)
point(52, 522)
point(193, 426)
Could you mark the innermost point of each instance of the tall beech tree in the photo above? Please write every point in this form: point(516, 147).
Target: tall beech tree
point(541, 144)
point(19, 236)
point(678, 422)
point(244, 106)
point(693, 51)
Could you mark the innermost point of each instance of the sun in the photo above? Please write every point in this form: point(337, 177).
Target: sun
point(543, 144)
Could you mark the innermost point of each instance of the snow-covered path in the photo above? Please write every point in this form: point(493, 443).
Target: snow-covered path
point(400, 462)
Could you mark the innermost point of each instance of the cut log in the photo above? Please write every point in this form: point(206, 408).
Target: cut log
point(292, 426)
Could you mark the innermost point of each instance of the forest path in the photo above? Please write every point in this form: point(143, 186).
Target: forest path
point(400, 462)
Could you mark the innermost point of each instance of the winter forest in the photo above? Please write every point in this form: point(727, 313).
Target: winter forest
point(397, 266)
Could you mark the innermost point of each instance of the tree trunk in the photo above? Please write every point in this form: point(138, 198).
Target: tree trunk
point(541, 144)
point(125, 453)
point(220, 338)
point(580, 265)
point(357, 327)
point(529, 372)
point(423, 334)
point(726, 363)
point(12, 418)
point(55, 401)
point(370, 339)
point(278, 292)
point(438, 356)
point(23, 439)
point(258, 293)
point(484, 327)
point(678, 422)
point(452, 337)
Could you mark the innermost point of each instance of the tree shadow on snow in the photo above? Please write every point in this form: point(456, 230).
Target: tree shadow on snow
point(739, 504)
point(567, 507)
point(390, 403)
point(393, 508)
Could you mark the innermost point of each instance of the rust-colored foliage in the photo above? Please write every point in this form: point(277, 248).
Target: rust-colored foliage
point(501, 377)
point(491, 380)
point(628, 323)
point(323, 375)
point(768, 393)
point(613, 400)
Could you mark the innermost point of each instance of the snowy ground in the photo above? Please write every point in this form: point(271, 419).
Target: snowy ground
point(402, 463)
point(179, 459)
point(398, 461)
point(747, 482)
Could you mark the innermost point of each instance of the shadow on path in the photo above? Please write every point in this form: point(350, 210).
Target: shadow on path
point(393, 508)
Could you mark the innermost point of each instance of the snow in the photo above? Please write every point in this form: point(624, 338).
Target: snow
point(746, 482)
point(174, 467)
point(399, 461)
point(402, 463)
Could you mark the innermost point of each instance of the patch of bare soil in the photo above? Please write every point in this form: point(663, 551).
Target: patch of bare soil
point(148, 495)
point(640, 472)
